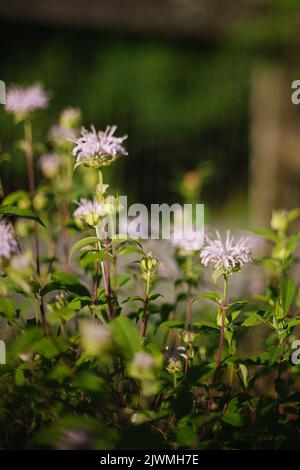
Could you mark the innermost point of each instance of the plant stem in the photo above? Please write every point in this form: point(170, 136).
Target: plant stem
point(189, 309)
point(174, 381)
point(144, 321)
point(31, 182)
point(104, 277)
point(223, 317)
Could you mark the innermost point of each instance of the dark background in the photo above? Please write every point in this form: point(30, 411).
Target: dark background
point(175, 76)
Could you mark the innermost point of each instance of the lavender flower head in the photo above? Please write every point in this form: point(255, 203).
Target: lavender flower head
point(22, 101)
point(98, 149)
point(226, 257)
point(8, 243)
point(50, 164)
point(62, 135)
point(91, 212)
point(70, 118)
point(188, 241)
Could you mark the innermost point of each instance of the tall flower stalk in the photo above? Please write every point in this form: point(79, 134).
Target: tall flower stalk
point(225, 258)
point(223, 307)
point(148, 266)
point(189, 308)
point(31, 182)
point(22, 102)
point(97, 150)
point(188, 246)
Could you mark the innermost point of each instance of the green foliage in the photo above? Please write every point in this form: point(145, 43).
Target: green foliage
point(98, 359)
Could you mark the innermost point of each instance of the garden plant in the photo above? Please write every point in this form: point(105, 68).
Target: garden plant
point(96, 356)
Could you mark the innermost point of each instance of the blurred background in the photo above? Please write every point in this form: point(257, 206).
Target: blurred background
point(202, 88)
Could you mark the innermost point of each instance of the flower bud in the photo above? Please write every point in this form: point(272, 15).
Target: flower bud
point(148, 265)
point(189, 336)
point(70, 118)
point(279, 221)
point(96, 339)
point(50, 165)
point(143, 366)
point(174, 366)
point(39, 201)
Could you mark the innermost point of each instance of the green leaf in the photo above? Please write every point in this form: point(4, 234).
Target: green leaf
point(154, 297)
point(172, 324)
point(127, 250)
point(123, 279)
point(213, 296)
point(7, 308)
point(89, 382)
point(244, 372)
point(186, 436)
point(68, 283)
point(126, 336)
point(91, 257)
point(264, 232)
point(234, 419)
point(15, 197)
point(294, 321)
point(235, 306)
point(288, 292)
point(18, 212)
point(293, 214)
point(20, 374)
point(203, 325)
point(133, 298)
point(252, 319)
point(48, 347)
point(83, 242)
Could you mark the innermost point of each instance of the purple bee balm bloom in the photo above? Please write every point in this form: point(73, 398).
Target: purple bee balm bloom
point(226, 257)
point(24, 100)
point(61, 135)
point(50, 164)
point(98, 149)
point(8, 243)
point(188, 241)
point(91, 212)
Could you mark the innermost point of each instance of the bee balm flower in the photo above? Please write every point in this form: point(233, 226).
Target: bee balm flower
point(70, 118)
point(226, 257)
point(91, 212)
point(50, 164)
point(188, 241)
point(96, 339)
point(98, 149)
point(22, 101)
point(8, 243)
point(142, 366)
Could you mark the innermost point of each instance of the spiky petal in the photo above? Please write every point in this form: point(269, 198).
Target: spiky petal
point(22, 101)
point(8, 243)
point(98, 149)
point(228, 256)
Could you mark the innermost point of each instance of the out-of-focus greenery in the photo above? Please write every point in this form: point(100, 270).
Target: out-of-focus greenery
point(183, 102)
